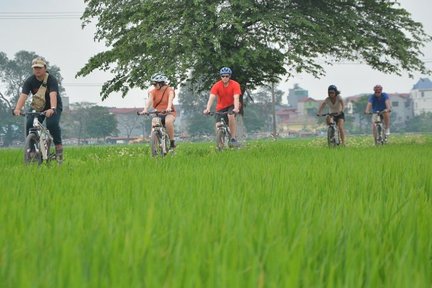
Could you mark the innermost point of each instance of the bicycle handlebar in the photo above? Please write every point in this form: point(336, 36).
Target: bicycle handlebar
point(157, 113)
point(220, 113)
point(33, 113)
point(378, 112)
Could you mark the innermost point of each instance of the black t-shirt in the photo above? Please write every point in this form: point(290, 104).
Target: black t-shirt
point(32, 84)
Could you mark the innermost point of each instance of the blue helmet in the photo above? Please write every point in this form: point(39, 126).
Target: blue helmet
point(225, 70)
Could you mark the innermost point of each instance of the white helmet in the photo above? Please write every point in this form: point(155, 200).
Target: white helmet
point(159, 77)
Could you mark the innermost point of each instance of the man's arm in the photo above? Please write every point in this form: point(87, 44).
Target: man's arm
point(368, 107)
point(236, 103)
point(20, 104)
point(209, 103)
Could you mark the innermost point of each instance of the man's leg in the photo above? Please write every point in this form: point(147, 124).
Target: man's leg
point(53, 125)
point(232, 125)
point(387, 123)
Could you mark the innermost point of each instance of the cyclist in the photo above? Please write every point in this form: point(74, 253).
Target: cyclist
point(161, 99)
point(336, 105)
point(379, 101)
point(227, 92)
point(53, 103)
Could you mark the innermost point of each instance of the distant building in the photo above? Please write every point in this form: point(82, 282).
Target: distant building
point(421, 95)
point(308, 106)
point(402, 108)
point(295, 95)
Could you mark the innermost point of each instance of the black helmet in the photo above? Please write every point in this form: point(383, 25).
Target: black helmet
point(333, 88)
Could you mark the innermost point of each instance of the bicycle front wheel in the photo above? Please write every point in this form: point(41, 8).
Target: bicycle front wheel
point(331, 141)
point(32, 153)
point(155, 142)
point(220, 139)
point(380, 137)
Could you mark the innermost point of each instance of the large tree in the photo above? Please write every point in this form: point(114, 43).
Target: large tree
point(13, 73)
point(259, 39)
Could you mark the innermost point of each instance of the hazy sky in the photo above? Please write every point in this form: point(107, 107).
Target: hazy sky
point(52, 28)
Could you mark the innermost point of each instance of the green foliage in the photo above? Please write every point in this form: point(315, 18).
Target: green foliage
point(272, 214)
point(260, 40)
point(87, 120)
point(420, 123)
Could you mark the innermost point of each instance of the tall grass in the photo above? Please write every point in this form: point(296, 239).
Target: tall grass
point(273, 214)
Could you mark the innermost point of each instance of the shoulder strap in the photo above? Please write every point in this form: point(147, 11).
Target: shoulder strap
point(163, 94)
point(44, 83)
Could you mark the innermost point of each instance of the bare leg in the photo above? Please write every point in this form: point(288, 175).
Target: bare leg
point(341, 130)
point(374, 131)
point(387, 120)
point(233, 126)
point(169, 125)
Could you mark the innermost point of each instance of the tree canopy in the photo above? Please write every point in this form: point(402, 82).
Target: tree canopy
point(260, 40)
point(13, 73)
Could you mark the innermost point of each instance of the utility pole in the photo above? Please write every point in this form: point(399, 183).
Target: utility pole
point(274, 133)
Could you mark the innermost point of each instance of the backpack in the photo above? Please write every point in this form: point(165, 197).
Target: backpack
point(38, 101)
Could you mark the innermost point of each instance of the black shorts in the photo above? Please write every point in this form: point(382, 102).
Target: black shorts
point(223, 116)
point(340, 116)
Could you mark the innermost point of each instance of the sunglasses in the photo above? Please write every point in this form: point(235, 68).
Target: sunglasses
point(225, 76)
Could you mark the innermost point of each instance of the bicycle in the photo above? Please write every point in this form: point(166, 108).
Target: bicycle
point(377, 120)
point(223, 132)
point(159, 139)
point(333, 134)
point(38, 143)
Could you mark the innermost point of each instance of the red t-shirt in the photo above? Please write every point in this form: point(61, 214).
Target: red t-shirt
point(225, 95)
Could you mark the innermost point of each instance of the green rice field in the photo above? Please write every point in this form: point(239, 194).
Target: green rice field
point(285, 213)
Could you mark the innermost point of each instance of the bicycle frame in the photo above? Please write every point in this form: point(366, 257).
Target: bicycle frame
point(223, 132)
point(40, 137)
point(377, 120)
point(333, 139)
point(160, 143)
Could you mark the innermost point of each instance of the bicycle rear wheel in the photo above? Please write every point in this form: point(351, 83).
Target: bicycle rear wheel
point(32, 153)
point(220, 139)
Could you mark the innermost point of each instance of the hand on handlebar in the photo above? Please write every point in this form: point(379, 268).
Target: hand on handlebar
point(206, 111)
point(16, 112)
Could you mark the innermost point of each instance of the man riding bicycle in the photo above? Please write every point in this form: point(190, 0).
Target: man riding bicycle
point(52, 108)
point(161, 99)
point(336, 105)
point(227, 92)
point(379, 101)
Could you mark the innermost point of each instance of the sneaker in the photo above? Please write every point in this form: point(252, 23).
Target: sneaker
point(233, 143)
point(59, 155)
point(387, 132)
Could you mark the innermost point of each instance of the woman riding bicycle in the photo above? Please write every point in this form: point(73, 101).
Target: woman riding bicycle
point(336, 105)
point(161, 99)
point(227, 92)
